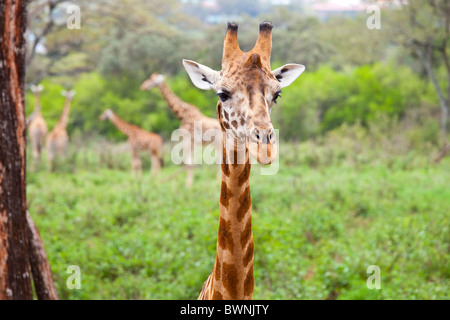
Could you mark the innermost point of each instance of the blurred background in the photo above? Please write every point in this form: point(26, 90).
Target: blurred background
point(363, 179)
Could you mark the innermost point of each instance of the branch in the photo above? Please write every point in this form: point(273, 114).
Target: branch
point(40, 268)
point(425, 57)
point(447, 67)
point(48, 27)
point(37, 9)
point(442, 154)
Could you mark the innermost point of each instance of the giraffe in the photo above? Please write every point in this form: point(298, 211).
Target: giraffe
point(189, 115)
point(58, 139)
point(37, 127)
point(247, 91)
point(139, 140)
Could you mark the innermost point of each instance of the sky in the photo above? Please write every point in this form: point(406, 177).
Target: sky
point(336, 2)
point(345, 2)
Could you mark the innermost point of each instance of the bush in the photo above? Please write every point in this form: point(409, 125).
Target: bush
point(325, 99)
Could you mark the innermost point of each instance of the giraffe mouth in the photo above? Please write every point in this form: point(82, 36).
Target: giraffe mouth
point(145, 87)
point(265, 154)
point(263, 149)
point(263, 145)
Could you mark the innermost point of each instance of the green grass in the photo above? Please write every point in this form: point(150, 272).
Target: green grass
point(316, 229)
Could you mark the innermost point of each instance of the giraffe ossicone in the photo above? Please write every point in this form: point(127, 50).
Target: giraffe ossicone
point(248, 90)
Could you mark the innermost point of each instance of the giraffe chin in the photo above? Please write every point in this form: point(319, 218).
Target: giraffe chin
point(265, 154)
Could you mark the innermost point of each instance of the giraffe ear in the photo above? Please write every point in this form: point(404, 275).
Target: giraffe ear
point(288, 73)
point(201, 76)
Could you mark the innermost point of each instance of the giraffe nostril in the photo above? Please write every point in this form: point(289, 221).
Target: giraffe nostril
point(255, 135)
point(264, 136)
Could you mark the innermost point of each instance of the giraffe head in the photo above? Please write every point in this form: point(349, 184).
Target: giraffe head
point(154, 80)
point(248, 90)
point(107, 114)
point(36, 89)
point(68, 94)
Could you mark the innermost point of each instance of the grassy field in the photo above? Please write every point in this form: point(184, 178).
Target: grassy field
point(318, 225)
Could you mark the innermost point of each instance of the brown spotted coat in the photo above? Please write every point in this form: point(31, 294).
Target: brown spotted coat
point(138, 140)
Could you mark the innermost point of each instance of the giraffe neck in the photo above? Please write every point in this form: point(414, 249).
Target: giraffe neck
point(37, 104)
point(232, 276)
point(123, 126)
point(178, 106)
point(64, 118)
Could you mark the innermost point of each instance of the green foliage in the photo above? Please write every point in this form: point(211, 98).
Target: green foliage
point(125, 41)
point(95, 93)
point(322, 100)
point(356, 187)
point(317, 227)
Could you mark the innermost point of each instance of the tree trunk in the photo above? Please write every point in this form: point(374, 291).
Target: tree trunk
point(425, 57)
point(15, 277)
point(40, 268)
point(17, 235)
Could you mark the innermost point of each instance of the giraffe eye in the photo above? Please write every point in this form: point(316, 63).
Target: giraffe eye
point(276, 96)
point(223, 96)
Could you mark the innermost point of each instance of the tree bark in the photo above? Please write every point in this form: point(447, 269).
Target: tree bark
point(20, 242)
point(15, 276)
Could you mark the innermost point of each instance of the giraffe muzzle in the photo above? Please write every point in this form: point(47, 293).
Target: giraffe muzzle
point(262, 136)
point(263, 145)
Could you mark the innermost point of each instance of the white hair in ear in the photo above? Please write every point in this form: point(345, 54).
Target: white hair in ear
point(201, 76)
point(288, 73)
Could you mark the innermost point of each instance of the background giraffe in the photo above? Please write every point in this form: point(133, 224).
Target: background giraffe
point(188, 115)
point(248, 90)
point(58, 139)
point(37, 127)
point(139, 140)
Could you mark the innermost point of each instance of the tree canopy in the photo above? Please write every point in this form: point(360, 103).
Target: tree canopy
point(353, 73)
